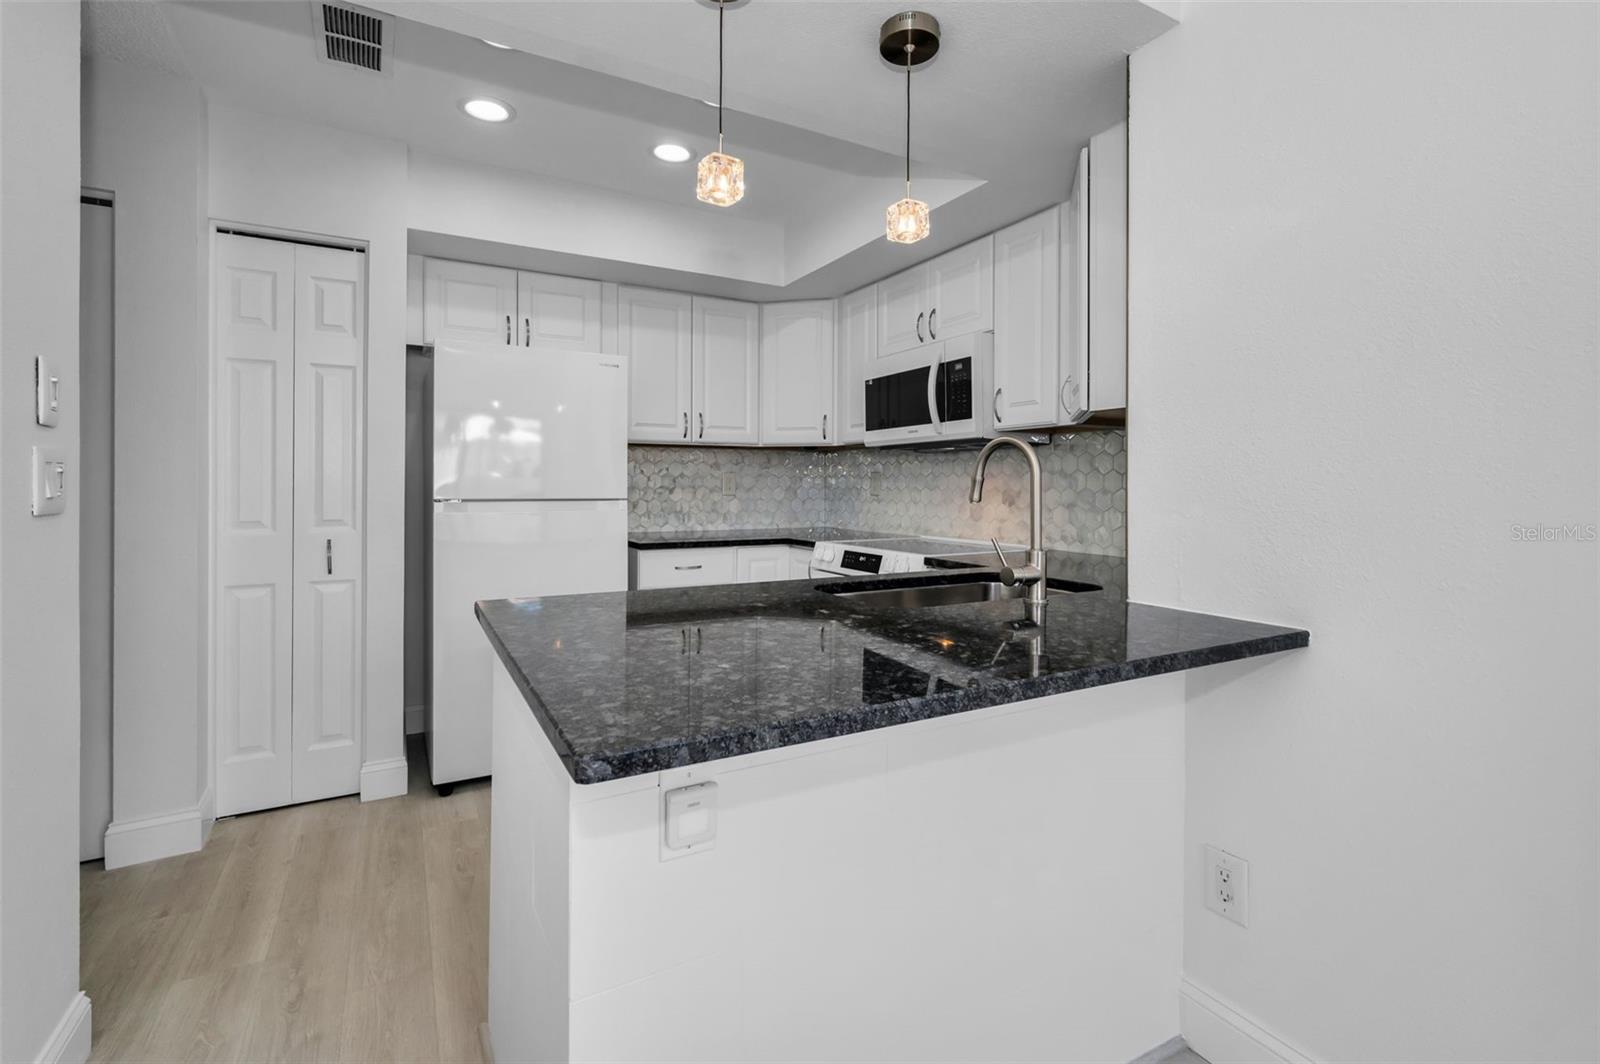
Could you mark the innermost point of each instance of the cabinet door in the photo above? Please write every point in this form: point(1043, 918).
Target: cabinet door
point(758, 564)
point(857, 349)
point(329, 552)
point(561, 313)
point(1027, 294)
point(797, 373)
point(902, 311)
point(799, 563)
point(1071, 398)
point(255, 521)
point(1108, 269)
point(961, 291)
point(653, 331)
point(727, 372)
point(464, 301)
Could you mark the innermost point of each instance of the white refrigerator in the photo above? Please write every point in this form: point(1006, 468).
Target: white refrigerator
point(530, 498)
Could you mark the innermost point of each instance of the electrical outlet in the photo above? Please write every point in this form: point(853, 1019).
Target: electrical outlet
point(874, 483)
point(1227, 885)
point(727, 484)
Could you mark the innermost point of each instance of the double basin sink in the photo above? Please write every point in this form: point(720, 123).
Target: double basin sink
point(955, 590)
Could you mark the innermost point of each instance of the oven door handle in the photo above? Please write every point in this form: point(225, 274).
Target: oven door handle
point(933, 399)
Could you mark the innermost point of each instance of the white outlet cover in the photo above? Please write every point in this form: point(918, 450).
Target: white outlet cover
point(1227, 885)
point(49, 482)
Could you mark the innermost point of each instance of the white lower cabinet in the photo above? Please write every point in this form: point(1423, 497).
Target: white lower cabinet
point(289, 596)
point(698, 566)
point(799, 563)
point(797, 373)
point(759, 564)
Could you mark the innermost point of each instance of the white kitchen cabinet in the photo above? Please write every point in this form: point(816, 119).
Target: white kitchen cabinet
point(468, 302)
point(655, 331)
point(560, 313)
point(855, 351)
point(726, 372)
point(1093, 369)
point(689, 567)
point(1027, 321)
point(797, 373)
point(948, 296)
point(799, 563)
point(758, 564)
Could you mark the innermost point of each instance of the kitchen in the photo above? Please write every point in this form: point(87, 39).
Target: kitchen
point(756, 530)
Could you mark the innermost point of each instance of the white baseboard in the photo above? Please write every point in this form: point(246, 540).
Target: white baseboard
point(414, 719)
point(383, 779)
point(1223, 1034)
point(69, 1042)
point(1163, 1052)
point(130, 842)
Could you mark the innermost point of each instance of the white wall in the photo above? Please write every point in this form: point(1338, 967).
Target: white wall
point(281, 174)
point(38, 556)
point(144, 141)
point(1363, 347)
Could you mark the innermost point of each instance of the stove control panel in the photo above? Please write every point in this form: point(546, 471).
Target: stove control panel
point(861, 561)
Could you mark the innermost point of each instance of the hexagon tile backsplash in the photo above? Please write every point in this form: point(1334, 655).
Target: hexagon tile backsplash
point(889, 490)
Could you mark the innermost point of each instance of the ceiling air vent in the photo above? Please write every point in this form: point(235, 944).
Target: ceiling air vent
point(353, 36)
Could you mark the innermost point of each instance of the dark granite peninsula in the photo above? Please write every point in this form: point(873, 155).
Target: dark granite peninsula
point(770, 822)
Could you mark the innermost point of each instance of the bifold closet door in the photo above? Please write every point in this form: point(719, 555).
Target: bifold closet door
point(291, 338)
point(254, 607)
point(329, 350)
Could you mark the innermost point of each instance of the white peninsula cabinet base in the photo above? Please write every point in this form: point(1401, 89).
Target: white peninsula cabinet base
point(1001, 884)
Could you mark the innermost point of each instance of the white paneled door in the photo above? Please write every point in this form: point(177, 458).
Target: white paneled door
point(290, 348)
point(726, 372)
point(654, 331)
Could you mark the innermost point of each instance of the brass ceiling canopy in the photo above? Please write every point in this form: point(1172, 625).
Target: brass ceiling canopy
point(909, 39)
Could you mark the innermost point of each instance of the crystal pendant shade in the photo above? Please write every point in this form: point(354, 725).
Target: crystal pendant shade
point(907, 220)
point(720, 180)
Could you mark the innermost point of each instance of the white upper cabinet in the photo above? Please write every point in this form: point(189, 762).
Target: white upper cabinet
point(961, 291)
point(797, 373)
point(654, 332)
point(561, 313)
point(945, 297)
point(465, 301)
point(1027, 320)
point(1094, 280)
point(726, 372)
point(856, 350)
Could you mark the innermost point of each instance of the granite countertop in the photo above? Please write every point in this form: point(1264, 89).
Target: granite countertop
point(626, 683)
point(677, 539)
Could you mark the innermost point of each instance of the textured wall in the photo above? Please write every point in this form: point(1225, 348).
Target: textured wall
point(1085, 491)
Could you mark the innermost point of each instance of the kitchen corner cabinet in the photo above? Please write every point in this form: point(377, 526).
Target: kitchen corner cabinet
point(654, 332)
point(855, 349)
point(947, 296)
point(725, 372)
point(1027, 321)
point(797, 373)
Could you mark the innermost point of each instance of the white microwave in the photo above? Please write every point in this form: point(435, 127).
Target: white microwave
point(937, 394)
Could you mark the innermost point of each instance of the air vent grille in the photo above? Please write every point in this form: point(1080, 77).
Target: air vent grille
point(352, 36)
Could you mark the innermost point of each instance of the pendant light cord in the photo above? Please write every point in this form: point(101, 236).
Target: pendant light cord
point(909, 49)
point(722, 9)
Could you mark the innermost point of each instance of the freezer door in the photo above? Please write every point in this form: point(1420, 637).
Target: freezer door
point(503, 550)
point(520, 423)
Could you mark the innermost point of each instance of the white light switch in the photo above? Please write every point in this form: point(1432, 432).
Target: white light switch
point(49, 482)
point(47, 392)
point(691, 816)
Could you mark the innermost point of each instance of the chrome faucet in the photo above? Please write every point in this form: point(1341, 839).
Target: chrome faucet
point(1032, 575)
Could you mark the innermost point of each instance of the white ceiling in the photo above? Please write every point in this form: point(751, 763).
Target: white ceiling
point(815, 113)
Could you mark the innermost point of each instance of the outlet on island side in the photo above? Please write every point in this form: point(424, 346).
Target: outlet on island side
point(1227, 885)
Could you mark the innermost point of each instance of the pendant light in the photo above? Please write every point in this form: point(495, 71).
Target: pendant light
point(719, 179)
point(908, 39)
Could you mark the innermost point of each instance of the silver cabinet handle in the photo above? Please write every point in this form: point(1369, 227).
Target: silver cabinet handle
point(920, 316)
point(997, 416)
point(702, 416)
point(686, 568)
point(932, 314)
point(824, 426)
point(328, 553)
point(508, 328)
point(686, 424)
point(527, 332)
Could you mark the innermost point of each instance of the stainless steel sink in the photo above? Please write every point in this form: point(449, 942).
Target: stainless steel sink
point(955, 591)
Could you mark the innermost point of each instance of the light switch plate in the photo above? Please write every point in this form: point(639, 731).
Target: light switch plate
point(49, 482)
point(47, 392)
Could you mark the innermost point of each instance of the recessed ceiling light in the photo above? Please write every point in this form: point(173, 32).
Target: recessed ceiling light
point(495, 44)
point(486, 109)
point(671, 153)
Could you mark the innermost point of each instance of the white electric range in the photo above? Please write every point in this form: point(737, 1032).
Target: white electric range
point(895, 554)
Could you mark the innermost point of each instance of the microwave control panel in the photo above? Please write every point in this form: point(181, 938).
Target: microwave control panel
point(954, 389)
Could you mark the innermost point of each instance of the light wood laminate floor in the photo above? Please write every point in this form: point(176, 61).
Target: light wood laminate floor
point(334, 931)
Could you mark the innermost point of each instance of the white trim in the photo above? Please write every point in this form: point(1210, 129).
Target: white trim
point(383, 779)
point(69, 1042)
point(414, 719)
point(485, 1043)
point(1163, 1052)
point(130, 842)
point(1221, 1033)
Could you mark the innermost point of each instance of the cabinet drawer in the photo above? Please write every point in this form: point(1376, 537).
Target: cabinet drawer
point(683, 568)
